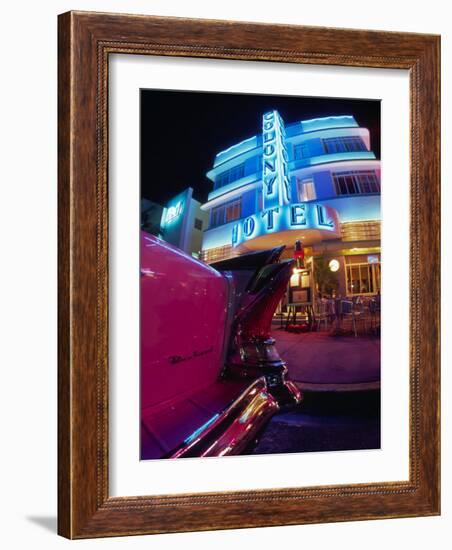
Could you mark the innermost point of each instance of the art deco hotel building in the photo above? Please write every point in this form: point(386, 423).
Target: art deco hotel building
point(316, 181)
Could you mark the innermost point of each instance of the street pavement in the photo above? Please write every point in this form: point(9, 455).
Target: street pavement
point(325, 421)
point(318, 361)
point(340, 380)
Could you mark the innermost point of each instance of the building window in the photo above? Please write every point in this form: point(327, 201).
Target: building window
point(260, 200)
point(198, 224)
point(226, 213)
point(345, 144)
point(217, 216)
point(300, 151)
point(356, 182)
point(230, 175)
point(233, 210)
point(306, 190)
point(363, 278)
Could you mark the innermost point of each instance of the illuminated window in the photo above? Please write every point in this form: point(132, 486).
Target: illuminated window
point(306, 190)
point(345, 144)
point(300, 151)
point(230, 175)
point(363, 278)
point(356, 182)
point(233, 210)
point(226, 213)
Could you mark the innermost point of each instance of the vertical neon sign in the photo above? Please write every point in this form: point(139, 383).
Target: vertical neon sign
point(275, 169)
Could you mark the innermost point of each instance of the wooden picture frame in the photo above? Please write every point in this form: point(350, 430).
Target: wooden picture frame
point(86, 40)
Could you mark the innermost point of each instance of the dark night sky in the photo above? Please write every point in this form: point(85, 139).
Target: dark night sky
point(181, 132)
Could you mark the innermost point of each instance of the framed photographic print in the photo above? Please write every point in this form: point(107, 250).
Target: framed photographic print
point(248, 275)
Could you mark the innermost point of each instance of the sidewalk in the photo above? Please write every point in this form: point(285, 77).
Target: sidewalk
point(320, 362)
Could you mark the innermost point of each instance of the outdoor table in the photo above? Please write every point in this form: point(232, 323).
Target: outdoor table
point(305, 309)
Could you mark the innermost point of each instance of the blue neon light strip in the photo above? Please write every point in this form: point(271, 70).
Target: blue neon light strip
point(328, 122)
point(332, 157)
point(235, 150)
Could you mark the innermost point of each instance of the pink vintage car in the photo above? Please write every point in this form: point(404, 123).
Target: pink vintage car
point(211, 377)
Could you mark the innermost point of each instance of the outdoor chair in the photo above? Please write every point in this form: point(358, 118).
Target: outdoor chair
point(344, 310)
point(323, 313)
point(361, 313)
point(355, 311)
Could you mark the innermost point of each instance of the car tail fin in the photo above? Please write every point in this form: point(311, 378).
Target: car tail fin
point(260, 285)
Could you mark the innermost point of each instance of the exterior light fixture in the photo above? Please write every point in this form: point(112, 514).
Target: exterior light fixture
point(334, 265)
point(298, 256)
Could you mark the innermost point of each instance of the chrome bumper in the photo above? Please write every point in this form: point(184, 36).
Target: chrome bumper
point(230, 432)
